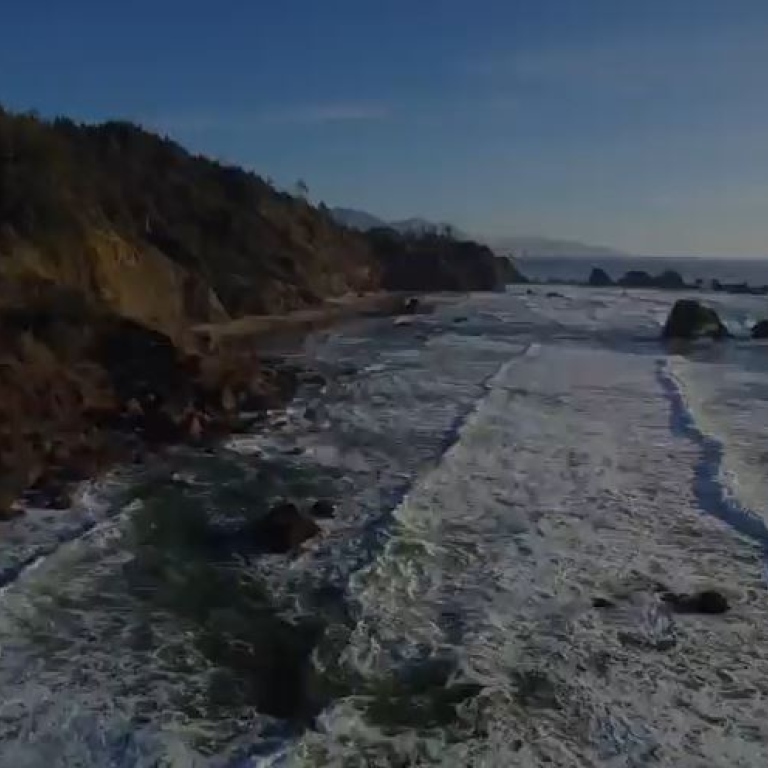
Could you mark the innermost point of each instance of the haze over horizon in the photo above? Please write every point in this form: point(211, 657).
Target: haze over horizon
point(640, 127)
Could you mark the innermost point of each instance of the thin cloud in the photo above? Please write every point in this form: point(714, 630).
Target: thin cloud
point(705, 61)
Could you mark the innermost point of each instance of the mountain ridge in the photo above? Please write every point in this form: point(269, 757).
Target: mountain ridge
point(513, 245)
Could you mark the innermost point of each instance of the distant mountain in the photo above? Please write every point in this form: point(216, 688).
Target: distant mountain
point(514, 246)
point(543, 246)
point(355, 219)
point(349, 217)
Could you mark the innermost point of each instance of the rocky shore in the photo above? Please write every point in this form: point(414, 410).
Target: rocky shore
point(81, 390)
point(137, 281)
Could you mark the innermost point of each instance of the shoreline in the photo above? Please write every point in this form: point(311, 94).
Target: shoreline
point(162, 393)
point(229, 333)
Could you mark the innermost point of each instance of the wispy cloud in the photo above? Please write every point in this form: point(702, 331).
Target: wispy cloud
point(634, 64)
point(297, 115)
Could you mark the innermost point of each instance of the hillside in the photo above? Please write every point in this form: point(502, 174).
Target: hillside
point(115, 244)
point(132, 220)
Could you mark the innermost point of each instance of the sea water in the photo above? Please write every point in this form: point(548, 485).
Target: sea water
point(498, 466)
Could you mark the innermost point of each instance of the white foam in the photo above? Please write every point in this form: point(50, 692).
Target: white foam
point(573, 490)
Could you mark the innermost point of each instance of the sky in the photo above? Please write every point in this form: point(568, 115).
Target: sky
point(637, 124)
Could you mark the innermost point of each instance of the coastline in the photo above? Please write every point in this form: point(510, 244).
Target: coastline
point(192, 392)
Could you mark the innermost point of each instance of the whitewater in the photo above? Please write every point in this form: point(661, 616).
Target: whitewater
point(499, 465)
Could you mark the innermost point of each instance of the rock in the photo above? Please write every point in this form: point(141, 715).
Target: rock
point(461, 319)
point(313, 378)
point(670, 280)
point(323, 509)
point(555, 295)
point(602, 602)
point(158, 427)
point(411, 305)
point(760, 330)
point(283, 529)
point(708, 601)
point(599, 278)
point(689, 320)
point(10, 509)
point(49, 492)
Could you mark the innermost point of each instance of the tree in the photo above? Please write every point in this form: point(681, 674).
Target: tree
point(302, 190)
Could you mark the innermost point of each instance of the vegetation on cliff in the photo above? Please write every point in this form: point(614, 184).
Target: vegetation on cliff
point(132, 219)
point(437, 261)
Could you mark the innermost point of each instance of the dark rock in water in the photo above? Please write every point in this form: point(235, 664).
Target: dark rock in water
point(636, 278)
point(529, 292)
point(689, 320)
point(670, 280)
point(555, 295)
point(323, 508)
point(760, 330)
point(411, 305)
point(599, 278)
point(313, 378)
point(460, 319)
point(708, 601)
point(284, 529)
point(602, 602)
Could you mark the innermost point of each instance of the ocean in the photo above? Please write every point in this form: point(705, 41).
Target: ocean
point(502, 466)
point(752, 271)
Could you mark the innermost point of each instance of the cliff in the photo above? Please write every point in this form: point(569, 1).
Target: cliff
point(114, 244)
point(131, 220)
point(434, 262)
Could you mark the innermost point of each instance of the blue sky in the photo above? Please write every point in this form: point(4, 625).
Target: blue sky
point(642, 125)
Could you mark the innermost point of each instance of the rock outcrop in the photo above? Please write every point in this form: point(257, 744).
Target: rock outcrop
point(690, 319)
point(284, 529)
point(708, 601)
point(599, 278)
point(433, 262)
point(668, 280)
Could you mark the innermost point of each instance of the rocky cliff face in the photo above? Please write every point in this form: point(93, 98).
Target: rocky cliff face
point(432, 262)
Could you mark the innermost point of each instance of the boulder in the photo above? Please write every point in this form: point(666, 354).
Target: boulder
point(323, 509)
point(760, 330)
point(636, 278)
point(283, 529)
point(708, 601)
point(599, 278)
point(690, 319)
point(411, 305)
point(670, 280)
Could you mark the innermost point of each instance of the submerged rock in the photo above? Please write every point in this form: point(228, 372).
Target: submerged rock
point(284, 529)
point(760, 330)
point(323, 509)
point(690, 319)
point(708, 601)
